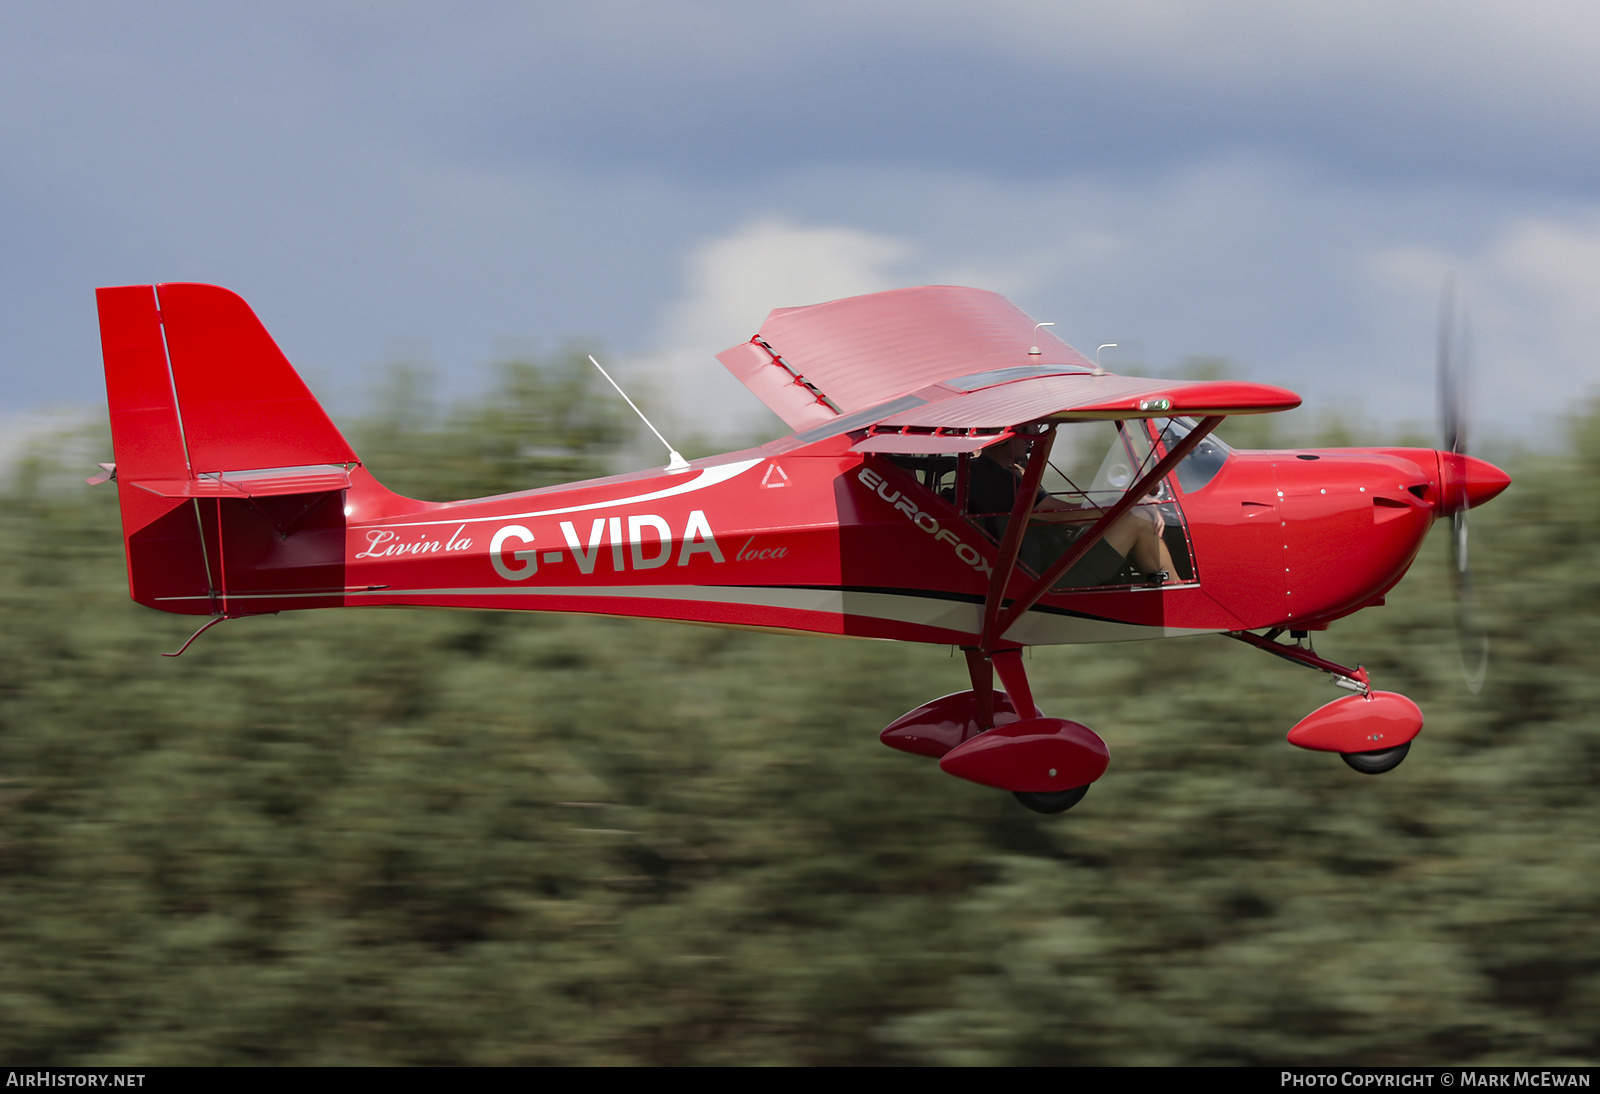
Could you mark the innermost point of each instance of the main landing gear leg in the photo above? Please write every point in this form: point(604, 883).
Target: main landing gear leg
point(1371, 730)
point(1013, 674)
point(982, 674)
point(981, 668)
point(1015, 678)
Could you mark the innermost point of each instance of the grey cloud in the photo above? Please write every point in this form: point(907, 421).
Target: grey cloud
point(1190, 177)
point(723, 91)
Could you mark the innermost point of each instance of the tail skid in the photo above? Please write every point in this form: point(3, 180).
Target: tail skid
point(231, 477)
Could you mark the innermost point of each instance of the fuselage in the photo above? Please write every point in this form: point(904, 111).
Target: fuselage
point(822, 539)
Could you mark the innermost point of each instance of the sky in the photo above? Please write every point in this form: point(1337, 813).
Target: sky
point(1285, 185)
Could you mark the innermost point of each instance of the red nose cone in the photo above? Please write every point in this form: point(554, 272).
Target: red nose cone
point(1469, 481)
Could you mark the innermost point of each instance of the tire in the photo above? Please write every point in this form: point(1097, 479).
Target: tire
point(1051, 801)
point(1376, 763)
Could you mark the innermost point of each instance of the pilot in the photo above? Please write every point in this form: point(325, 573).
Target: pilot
point(1136, 535)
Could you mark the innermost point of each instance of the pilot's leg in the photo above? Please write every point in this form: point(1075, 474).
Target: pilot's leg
point(1137, 536)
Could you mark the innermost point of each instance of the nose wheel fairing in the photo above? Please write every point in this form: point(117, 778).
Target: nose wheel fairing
point(1375, 722)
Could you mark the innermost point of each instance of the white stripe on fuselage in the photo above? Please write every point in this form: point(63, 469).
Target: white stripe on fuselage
point(710, 476)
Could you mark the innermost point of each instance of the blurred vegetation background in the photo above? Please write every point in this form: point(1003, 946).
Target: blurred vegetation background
point(461, 838)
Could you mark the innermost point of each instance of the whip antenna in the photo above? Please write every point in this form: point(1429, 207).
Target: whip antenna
point(676, 462)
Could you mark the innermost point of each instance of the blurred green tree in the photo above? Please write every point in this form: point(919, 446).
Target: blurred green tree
point(411, 837)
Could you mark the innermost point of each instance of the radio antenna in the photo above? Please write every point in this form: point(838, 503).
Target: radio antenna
point(676, 462)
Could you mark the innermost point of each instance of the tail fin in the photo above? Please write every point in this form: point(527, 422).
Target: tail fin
point(230, 475)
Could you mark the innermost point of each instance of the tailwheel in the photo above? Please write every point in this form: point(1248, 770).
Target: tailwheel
point(1052, 801)
point(1376, 763)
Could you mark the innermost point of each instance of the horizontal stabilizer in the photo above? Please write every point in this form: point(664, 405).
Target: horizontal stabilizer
point(269, 482)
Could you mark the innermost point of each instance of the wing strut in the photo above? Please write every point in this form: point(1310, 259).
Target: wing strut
point(1005, 560)
point(997, 621)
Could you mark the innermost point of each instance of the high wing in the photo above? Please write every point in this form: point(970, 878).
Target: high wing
point(942, 369)
point(948, 369)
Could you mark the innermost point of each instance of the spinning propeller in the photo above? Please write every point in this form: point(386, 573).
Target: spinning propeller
point(1459, 480)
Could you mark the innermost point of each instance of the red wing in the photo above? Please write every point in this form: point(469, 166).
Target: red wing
point(952, 360)
point(968, 421)
point(813, 363)
point(1087, 396)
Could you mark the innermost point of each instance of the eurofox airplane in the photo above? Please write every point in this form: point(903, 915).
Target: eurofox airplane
point(957, 476)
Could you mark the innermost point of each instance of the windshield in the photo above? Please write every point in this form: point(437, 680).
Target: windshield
point(1199, 467)
point(1091, 466)
point(1092, 463)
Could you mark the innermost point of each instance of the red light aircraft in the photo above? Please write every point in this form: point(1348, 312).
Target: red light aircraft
point(957, 476)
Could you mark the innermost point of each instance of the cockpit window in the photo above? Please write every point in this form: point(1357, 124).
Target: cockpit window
point(1091, 466)
point(1199, 467)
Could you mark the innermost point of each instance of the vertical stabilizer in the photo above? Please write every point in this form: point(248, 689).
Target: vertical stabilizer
point(241, 403)
point(230, 476)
